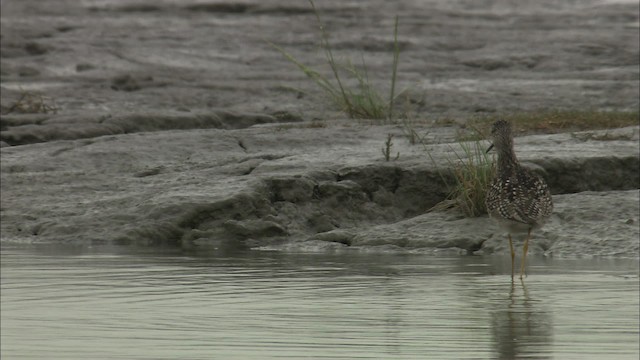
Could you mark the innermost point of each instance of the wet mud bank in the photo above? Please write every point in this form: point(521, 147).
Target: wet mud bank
point(328, 188)
point(168, 123)
point(388, 207)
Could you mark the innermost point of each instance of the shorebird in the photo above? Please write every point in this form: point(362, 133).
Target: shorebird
point(517, 199)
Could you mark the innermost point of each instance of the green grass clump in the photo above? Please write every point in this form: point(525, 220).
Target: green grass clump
point(470, 172)
point(473, 171)
point(361, 101)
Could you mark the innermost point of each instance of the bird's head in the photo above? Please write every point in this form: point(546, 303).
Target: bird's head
point(500, 136)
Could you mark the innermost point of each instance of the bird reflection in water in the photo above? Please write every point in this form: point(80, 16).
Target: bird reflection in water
point(522, 329)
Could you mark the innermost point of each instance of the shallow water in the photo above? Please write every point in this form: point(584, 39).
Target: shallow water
point(262, 305)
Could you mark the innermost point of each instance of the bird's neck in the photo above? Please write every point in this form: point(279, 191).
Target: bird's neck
point(507, 161)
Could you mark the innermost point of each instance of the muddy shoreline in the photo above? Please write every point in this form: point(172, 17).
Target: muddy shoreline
point(175, 125)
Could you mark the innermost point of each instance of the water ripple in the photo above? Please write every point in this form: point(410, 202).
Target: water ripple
point(266, 305)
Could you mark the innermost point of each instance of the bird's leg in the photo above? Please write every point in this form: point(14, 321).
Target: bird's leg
point(513, 255)
point(524, 253)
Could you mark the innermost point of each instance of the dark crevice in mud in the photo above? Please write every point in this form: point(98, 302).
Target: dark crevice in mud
point(249, 170)
point(133, 8)
point(20, 129)
point(260, 9)
point(371, 178)
point(225, 8)
point(267, 157)
point(150, 171)
point(242, 145)
point(60, 151)
point(222, 8)
point(566, 176)
point(69, 148)
point(395, 184)
point(290, 189)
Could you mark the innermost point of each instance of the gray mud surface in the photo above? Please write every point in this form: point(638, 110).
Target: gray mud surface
point(177, 123)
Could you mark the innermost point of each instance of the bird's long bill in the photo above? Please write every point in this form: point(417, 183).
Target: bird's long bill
point(490, 147)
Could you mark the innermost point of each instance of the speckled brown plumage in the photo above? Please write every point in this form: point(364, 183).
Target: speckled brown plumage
point(517, 199)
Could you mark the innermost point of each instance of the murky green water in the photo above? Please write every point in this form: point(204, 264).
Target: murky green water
point(269, 305)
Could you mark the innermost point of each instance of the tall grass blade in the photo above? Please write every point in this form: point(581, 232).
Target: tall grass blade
point(396, 59)
point(324, 39)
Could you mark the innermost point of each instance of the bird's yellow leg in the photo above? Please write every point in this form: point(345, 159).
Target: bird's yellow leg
point(524, 253)
point(513, 255)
